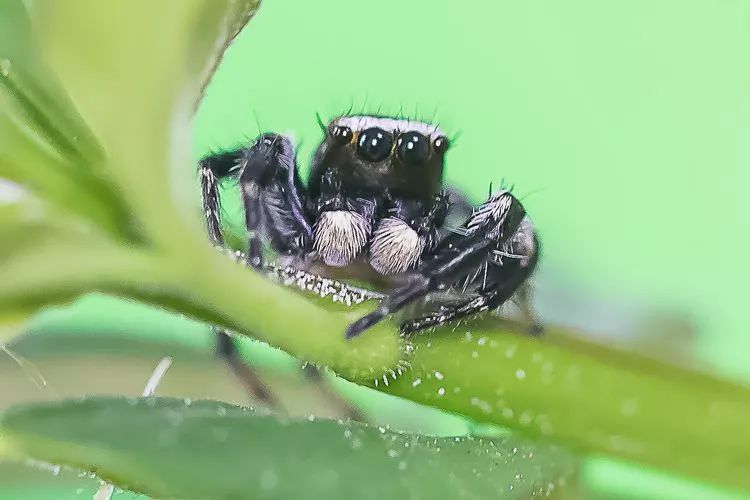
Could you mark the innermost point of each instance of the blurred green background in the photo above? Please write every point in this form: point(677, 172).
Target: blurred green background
point(624, 123)
point(623, 126)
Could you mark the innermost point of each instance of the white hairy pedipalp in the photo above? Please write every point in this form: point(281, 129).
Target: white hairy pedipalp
point(339, 236)
point(396, 247)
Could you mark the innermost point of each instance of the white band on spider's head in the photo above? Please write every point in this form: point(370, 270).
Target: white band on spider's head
point(392, 125)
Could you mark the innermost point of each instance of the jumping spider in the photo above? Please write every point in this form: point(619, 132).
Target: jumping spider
point(374, 207)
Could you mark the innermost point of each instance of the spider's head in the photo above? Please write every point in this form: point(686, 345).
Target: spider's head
point(374, 154)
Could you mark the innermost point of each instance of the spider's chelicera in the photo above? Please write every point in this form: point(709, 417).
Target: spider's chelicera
point(374, 207)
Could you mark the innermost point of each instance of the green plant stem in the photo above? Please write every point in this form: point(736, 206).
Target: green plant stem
point(590, 397)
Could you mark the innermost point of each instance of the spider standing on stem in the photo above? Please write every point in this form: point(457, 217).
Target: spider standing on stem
point(374, 208)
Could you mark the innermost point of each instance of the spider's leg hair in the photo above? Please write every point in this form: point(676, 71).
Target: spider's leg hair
point(212, 169)
point(457, 256)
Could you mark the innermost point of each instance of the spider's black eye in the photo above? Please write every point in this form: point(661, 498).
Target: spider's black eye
point(341, 135)
point(441, 144)
point(374, 144)
point(412, 148)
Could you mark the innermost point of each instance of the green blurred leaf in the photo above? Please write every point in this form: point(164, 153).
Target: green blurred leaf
point(35, 92)
point(171, 448)
point(44, 143)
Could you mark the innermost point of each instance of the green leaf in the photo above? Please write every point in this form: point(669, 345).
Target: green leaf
point(203, 449)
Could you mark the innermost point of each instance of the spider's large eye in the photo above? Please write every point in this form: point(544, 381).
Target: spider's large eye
point(412, 148)
point(374, 144)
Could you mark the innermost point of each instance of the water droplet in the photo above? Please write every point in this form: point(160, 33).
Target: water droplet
point(187, 401)
point(416, 382)
point(311, 418)
point(474, 354)
point(441, 391)
point(482, 341)
point(439, 375)
point(481, 404)
point(382, 430)
point(347, 433)
point(524, 418)
point(221, 411)
point(520, 374)
point(220, 435)
point(269, 480)
point(629, 407)
point(392, 453)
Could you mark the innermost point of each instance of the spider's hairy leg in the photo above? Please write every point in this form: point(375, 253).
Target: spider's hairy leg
point(273, 197)
point(502, 279)
point(267, 173)
point(456, 257)
point(212, 169)
point(226, 349)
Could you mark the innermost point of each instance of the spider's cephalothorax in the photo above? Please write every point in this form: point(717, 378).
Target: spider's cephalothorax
point(374, 199)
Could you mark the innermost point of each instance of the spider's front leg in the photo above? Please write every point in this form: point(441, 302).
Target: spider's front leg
point(272, 197)
point(466, 256)
point(272, 193)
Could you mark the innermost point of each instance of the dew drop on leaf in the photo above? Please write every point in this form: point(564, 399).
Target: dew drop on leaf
point(269, 480)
